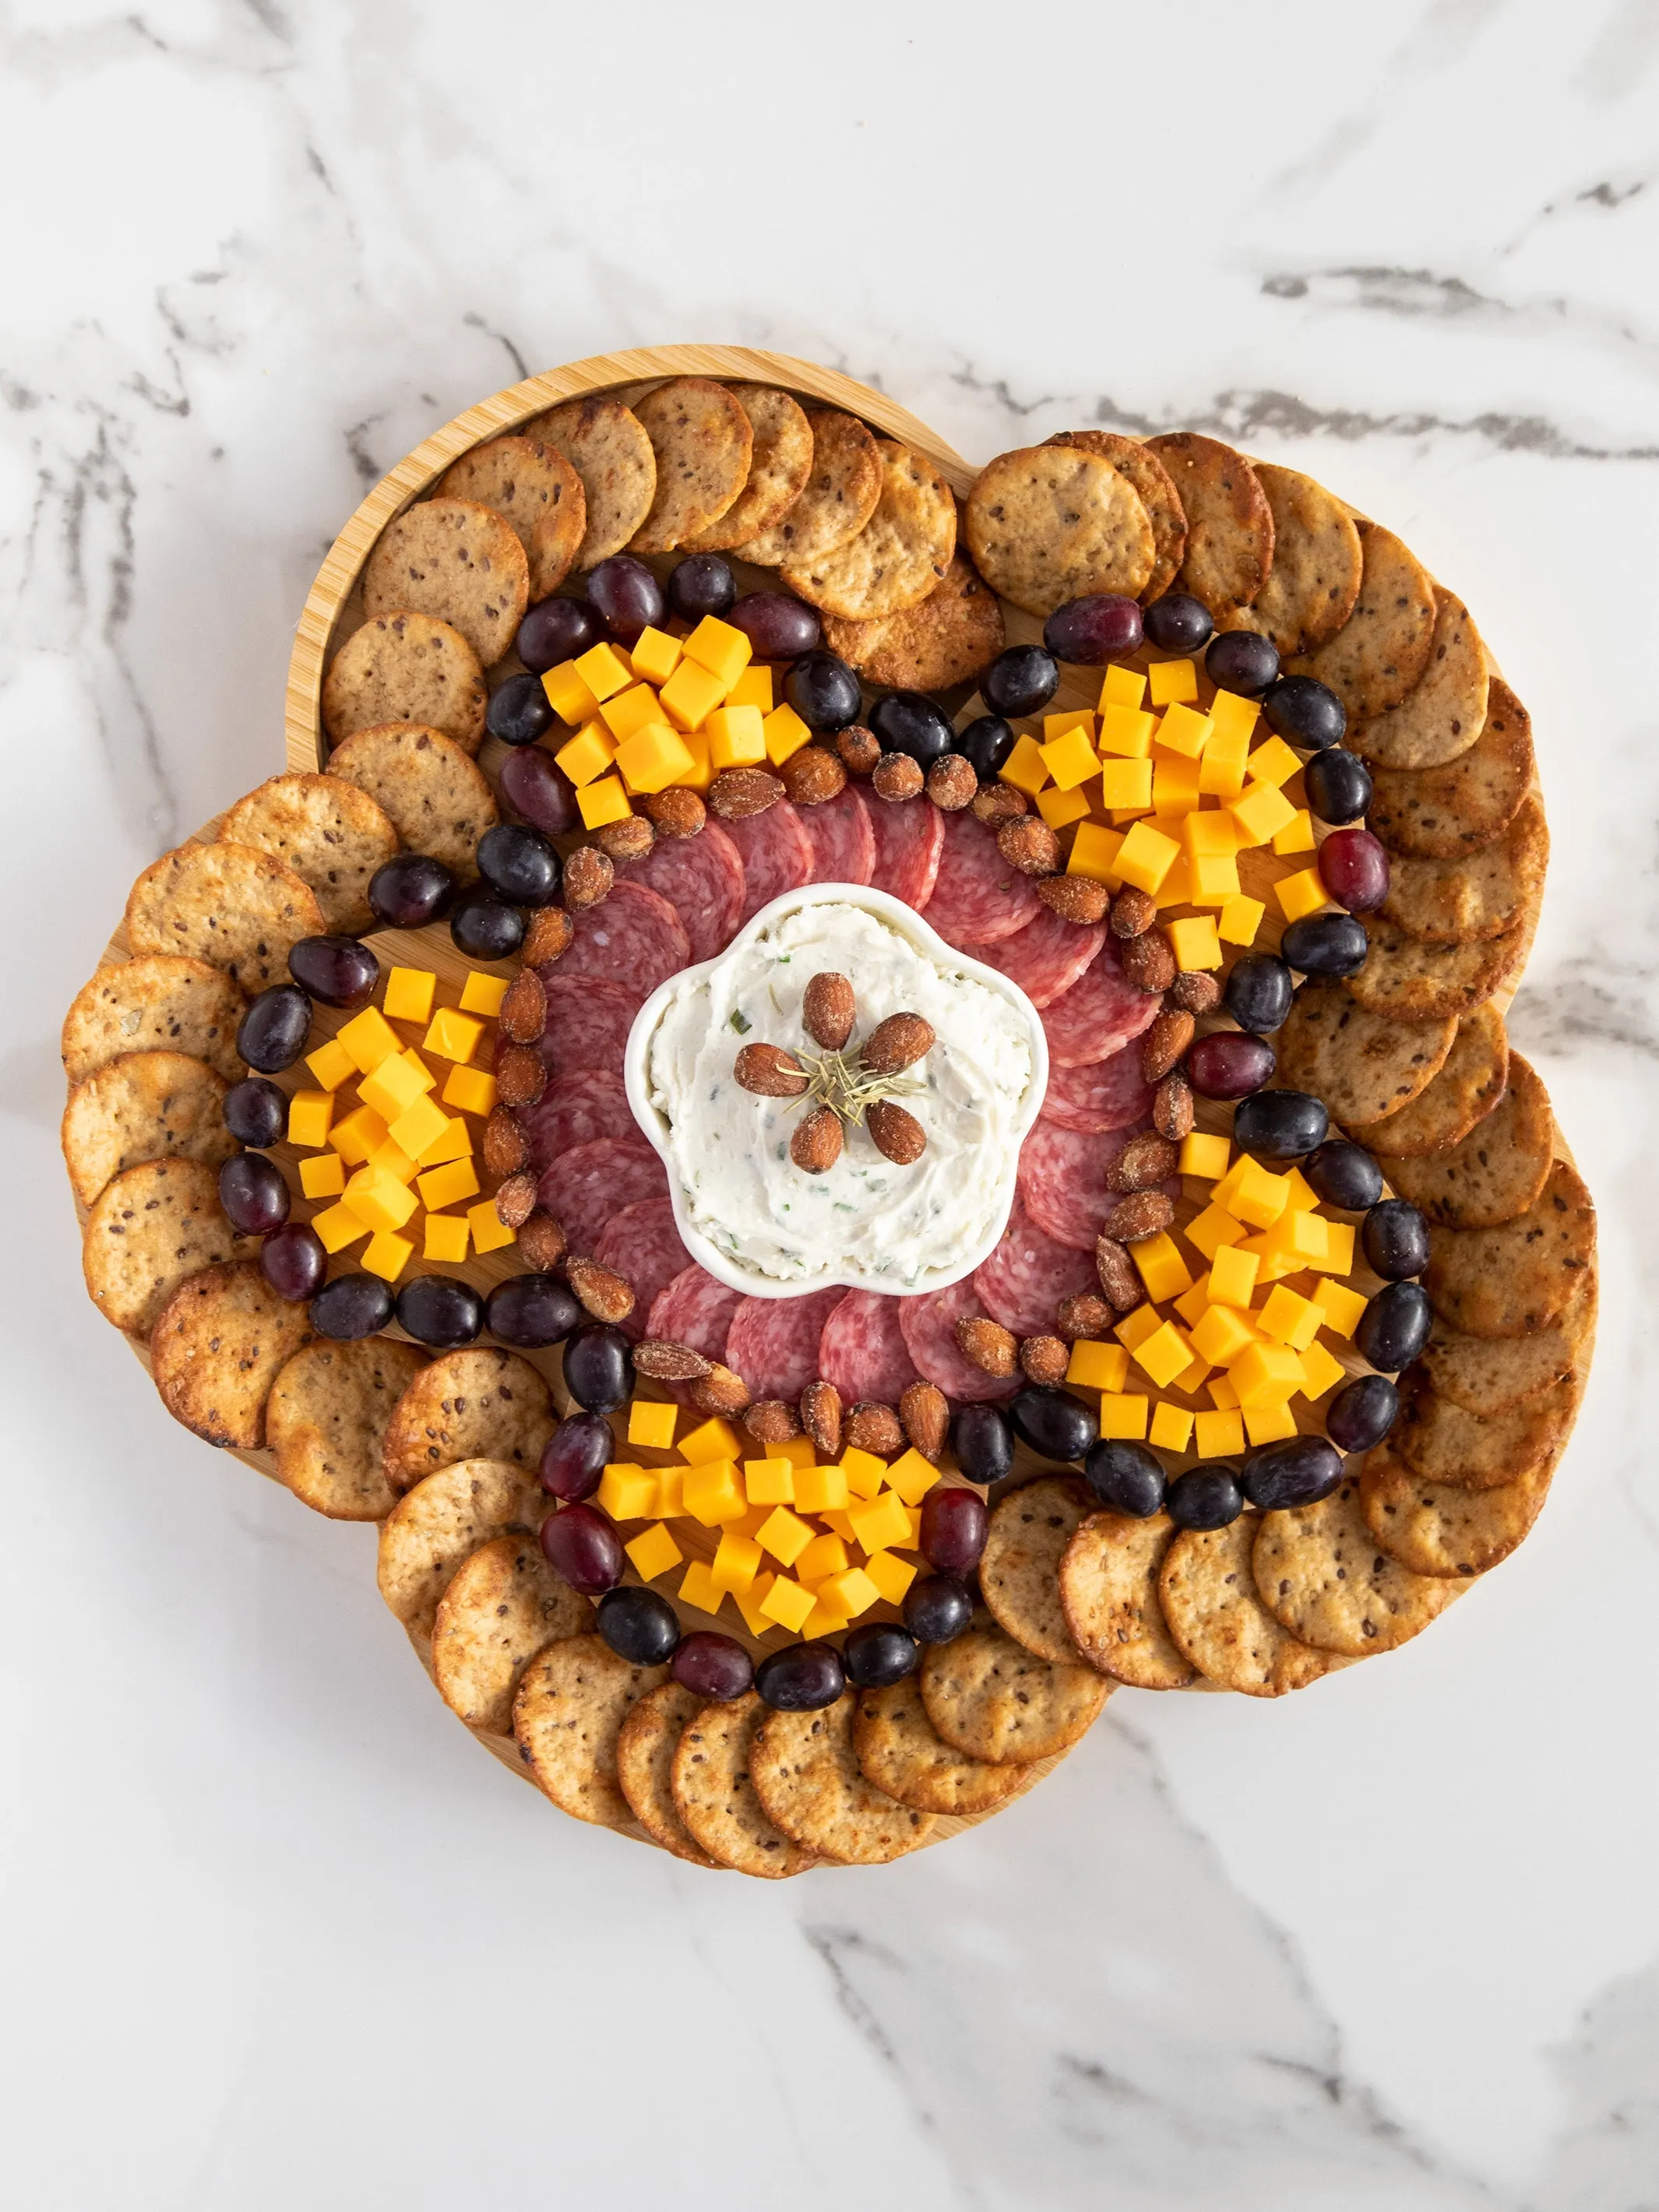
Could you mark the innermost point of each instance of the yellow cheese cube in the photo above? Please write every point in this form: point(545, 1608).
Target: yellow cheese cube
point(1297, 835)
point(1182, 730)
point(834, 1518)
point(1339, 1249)
point(715, 1439)
point(1221, 771)
point(1212, 1229)
point(1214, 880)
point(880, 1522)
point(1132, 1331)
point(1094, 853)
point(1067, 718)
point(912, 1476)
point(587, 755)
point(769, 1482)
point(818, 1488)
point(604, 670)
point(1125, 733)
point(1098, 1366)
point(455, 1144)
point(671, 1494)
point(1222, 1334)
point(1340, 1307)
point(1171, 1429)
point(1025, 767)
point(1268, 1423)
point(697, 1587)
point(1264, 1374)
point(1321, 1371)
point(419, 1127)
point(1165, 1353)
point(653, 1552)
point(655, 654)
point(1217, 1435)
point(453, 1034)
point(1289, 1318)
point(1194, 940)
point(1160, 1266)
point(1222, 1396)
point(1178, 887)
point(1301, 895)
point(1273, 763)
point(630, 712)
point(331, 1065)
point(691, 695)
point(602, 802)
point(851, 1592)
point(1194, 1377)
point(737, 736)
point(651, 1423)
point(1146, 856)
point(786, 1535)
point(1071, 759)
point(1192, 1304)
point(1311, 1238)
point(700, 774)
point(378, 1199)
point(309, 1115)
point(471, 1088)
point(568, 696)
point(1059, 809)
point(338, 1226)
point(490, 1232)
point(753, 688)
point(787, 1604)
point(323, 1176)
point(1124, 1415)
point(446, 1237)
point(825, 1555)
point(626, 1492)
point(1172, 679)
point(1204, 1156)
point(784, 733)
point(915, 1538)
point(1260, 811)
point(749, 1602)
point(1126, 687)
point(424, 1079)
point(1232, 1282)
point(1302, 1198)
point(1256, 1195)
point(1239, 921)
point(369, 1038)
point(1275, 1261)
point(1175, 787)
point(891, 1576)
point(713, 1492)
point(864, 1471)
point(392, 1089)
point(718, 646)
point(1208, 832)
point(480, 994)
point(387, 1256)
point(408, 994)
point(654, 758)
point(393, 1160)
point(1232, 712)
point(737, 1561)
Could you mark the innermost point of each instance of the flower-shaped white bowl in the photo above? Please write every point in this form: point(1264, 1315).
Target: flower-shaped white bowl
point(914, 927)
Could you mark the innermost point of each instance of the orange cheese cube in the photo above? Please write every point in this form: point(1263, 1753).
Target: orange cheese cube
point(1025, 767)
point(455, 1144)
point(587, 755)
point(1232, 1280)
point(1174, 786)
point(392, 1089)
point(1165, 1353)
point(1301, 895)
point(453, 1034)
point(1235, 715)
point(1182, 730)
point(1340, 1307)
point(1269, 1423)
point(787, 1604)
point(1178, 887)
point(654, 758)
point(712, 1492)
point(1124, 1415)
point(1169, 680)
point(1214, 880)
point(1126, 733)
point(880, 1522)
point(309, 1115)
point(490, 1232)
point(331, 1065)
point(1067, 718)
point(912, 1476)
point(1171, 1429)
point(1257, 1195)
point(1221, 771)
point(1160, 1266)
point(653, 1552)
point(1217, 1435)
point(323, 1176)
point(1265, 1374)
point(864, 1471)
point(630, 711)
point(602, 802)
point(715, 1439)
point(1192, 1305)
point(1208, 831)
point(1222, 1396)
point(769, 1482)
point(1259, 810)
point(337, 1226)
point(1094, 853)
point(737, 736)
point(447, 1235)
point(408, 994)
point(471, 1088)
point(1132, 1331)
point(1125, 687)
point(1321, 1371)
point(655, 654)
point(369, 1038)
point(651, 1423)
point(627, 1492)
point(604, 670)
point(378, 1200)
point(1273, 763)
point(1297, 835)
point(737, 1561)
point(1204, 1156)
point(568, 696)
point(1222, 1333)
point(825, 1555)
point(1339, 1249)
point(786, 1535)
point(690, 695)
point(1146, 856)
point(1239, 921)
point(1071, 759)
point(1289, 1318)
point(1098, 1366)
point(392, 1159)
point(850, 1593)
point(1194, 940)
point(1208, 1231)
point(891, 1576)
point(421, 1127)
point(697, 1587)
point(1059, 809)
point(387, 1256)
point(481, 994)
point(753, 688)
point(722, 649)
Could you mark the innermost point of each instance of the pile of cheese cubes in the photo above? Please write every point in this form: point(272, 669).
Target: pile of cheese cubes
point(669, 711)
point(1155, 771)
point(780, 1568)
point(392, 1148)
point(1251, 1359)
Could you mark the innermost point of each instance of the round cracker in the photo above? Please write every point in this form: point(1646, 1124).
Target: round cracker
point(162, 1002)
point(1321, 1574)
point(1467, 1089)
point(1478, 895)
point(950, 637)
point(1217, 1621)
point(990, 1697)
point(703, 443)
point(1514, 1280)
point(218, 1344)
point(144, 1106)
point(502, 1606)
point(435, 796)
point(1387, 643)
point(481, 1403)
point(714, 1795)
point(1230, 525)
point(536, 493)
point(780, 463)
point(1497, 1171)
point(902, 1753)
point(1047, 523)
point(902, 553)
point(326, 1423)
point(807, 1774)
point(238, 909)
point(406, 667)
point(1109, 1589)
point(1440, 715)
point(645, 1767)
point(1362, 1065)
point(1155, 488)
point(1490, 1375)
point(1020, 1568)
point(441, 1522)
point(152, 1225)
point(1438, 1529)
point(1440, 813)
point(1446, 1443)
point(1314, 583)
point(329, 832)
point(1405, 978)
point(568, 1715)
point(456, 559)
point(605, 444)
point(840, 496)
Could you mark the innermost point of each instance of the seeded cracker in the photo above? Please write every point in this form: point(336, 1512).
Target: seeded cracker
point(536, 493)
point(406, 668)
point(144, 1106)
point(435, 797)
point(1314, 584)
point(332, 835)
point(1045, 524)
point(1465, 1091)
point(901, 1752)
point(1435, 1529)
point(218, 1344)
point(1445, 1443)
point(950, 637)
point(1441, 716)
point(1362, 1064)
point(1108, 1580)
point(605, 444)
point(645, 1767)
point(715, 1797)
point(901, 554)
point(807, 1776)
point(443, 1521)
point(1323, 1576)
point(840, 496)
point(1218, 1620)
point(779, 463)
point(567, 1716)
point(238, 909)
point(703, 441)
point(1488, 1375)
point(1406, 979)
point(477, 1404)
point(989, 1697)
point(1439, 813)
point(502, 1608)
point(1019, 1569)
point(1497, 1171)
point(1479, 895)
point(326, 1423)
point(1230, 525)
point(163, 1002)
point(1386, 644)
point(154, 1224)
point(1153, 486)
point(458, 560)
point(1516, 1279)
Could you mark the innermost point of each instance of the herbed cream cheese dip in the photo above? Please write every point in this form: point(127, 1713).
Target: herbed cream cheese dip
point(865, 1221)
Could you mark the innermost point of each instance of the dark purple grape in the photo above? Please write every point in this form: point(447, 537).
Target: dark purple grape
point(982, 1443)
point(1354, 869)
point(1053, 1422)
point(1395, 1239)
point(627, 597)
point(256, 1112)
point(1362, 1413)
point(554, 631)
point(714, 1666)
point(483, 928)
point(907, 722)
point(985, 744)
point(1204, 1498)
point(1101, 626)
point(441, 1310)
point(409, 891)
point(274, 1030)
point(1295, 1471)
point(337, 971)
point(534, 785)
point(879, 1653)
point(1126, 1477)
point(954, 1527)
point(293, 1262)
point(252, 1194)
point(803, 1678)
point(581, 1544)
point(779, 626)
point(576, 1455)
point(1338, 785)
point(1179, 623)
point(1230, 1063)
point(1326, 944)
point(1305, 713)
point(1394, 1327)
point(1281, 1125)
point(518, 865)
point(937, 1609)
point(351, 1307)
point(519, 711)
point(1239, 660)
point(1345, 1175)
point(532, 1311)
point(1258, 991)
point(1021, 681)
point(599, 1367)
point(823, 691)
point(702, 584)
point(638, 1626)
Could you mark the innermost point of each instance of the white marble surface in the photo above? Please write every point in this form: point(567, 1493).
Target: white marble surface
point(277, 1931)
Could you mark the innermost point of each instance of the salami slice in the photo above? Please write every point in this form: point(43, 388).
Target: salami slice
point(862, 1350)
point(574, 1109)
point(590, 1183)
point(634, 937)
point(1106, 1094)
point(1062, 1181)
point(978, 899)
point(702, 879)
point(1045, 958)
point(588, 1025)
point(929, 1325)
point(776, 853)
point(1099, 1015)
point(773, 1343)
point(695, 1309)
point(641, 1244)
point(909, 835)
point(1024, 1279)
point(843, 843)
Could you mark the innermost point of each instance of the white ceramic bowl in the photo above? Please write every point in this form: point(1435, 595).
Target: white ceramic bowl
point(914, 926)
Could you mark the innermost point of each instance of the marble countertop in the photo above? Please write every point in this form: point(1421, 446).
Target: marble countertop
point(276, 1930)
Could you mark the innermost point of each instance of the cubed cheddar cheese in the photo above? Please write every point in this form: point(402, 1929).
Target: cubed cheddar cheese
point(1165, 1353)
point(1094, 853)
point(850, 1593)
point(750, 1601)
point(1205, 1156)
point(379, 1200)
point(1025, 767)
point(1096, 1366)
point(1340, 1307)
point(310, 1113)
point(1071, 758)
point(880, 1522)
point(338, 1226)
point(825, 1555)
point(1217, 1435)
point(1221, 771)
point(587, 755)
point(1222, 1396)
point(1214, 880)
point(1297, 835)
point(1125, 733)
point(1289, 1318)
point(737, 736)
point(787, 1604)
point(653, 757)
point(651, 1422)
point(821, 1488)
point(690, 695)
point(786, 1535)
point(568, 696)
point(713, 1492)
point(1174, 786)
point(1221, 1334)
point(418, 1069)
point(783, 735)
point(1137, 1326)
point(1239, 921)
point(653, 1552)
point(419, 1128)
point(393, 1160)
point(1339, 1249)
point(1182, 730)
point(769, 1482)
point(737, 1561)
point(490, 1232)
point(1194, 941)
point(1320, 1371)
point(1060, 809)
point(700, 774)
point(720, 648)
point(604, 670)
point(1260, 811)
point(630, 712)
point(387, 1255)
point(1192, 1379)
point(446, 1237)
point(912, 1476)
point(602, 802)
point(1146, 857)
point(455, 1144)
point(1265, 1374)
point(323, 1175)
point(470, 1089)
point(453, 1034)
point(1169, 680)
point(1123, 686)
point(1171, 1427)
point(1269, 1423)
point(369, 1038)
point(481, 994)
point(864, 1471)
point(1123, 1416)
point(891, 1576)
point(392, 1089)
point(1234, 715)
point(1301, 895)
point(1232, 1279)
point(697, 1587)
point(655, 654)
point(1252, 1193)
point(715, 1439)
point(1192, 1304)
point(408, 994)
point(1160, 1266)
point(331, 1065)
point(753, 688)
point(671, 1494)
point(1208, 1231)
point(1272, 763)
point(1176, 889)
point(1067, 718)
point(627, 1492)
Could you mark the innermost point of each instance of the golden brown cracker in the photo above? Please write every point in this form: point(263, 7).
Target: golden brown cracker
point(480, 1403)
point(1217, 1621)
point(1229, 525)
point(1387, 642)
point(1362, 1065)
point(1515, 1278)
point(901, 1752)
point(840, 496)
point(899, 557)
point(1441, 1530)
point(703, 441)
point(1108, 1577)
point(950, 637)
point(1155, 487)
point(715, 1794)
point(1494, 1173)
point(1446, 1443)
point(1020, 1568)
point(807, 1774)
point(435, 795)
point(1489, 1375)
point(1440, 712)
point(502, 1606)
point(1314, 584)
point(326, 1423)
point(1467, 1089)
point(442, 1521)
point(1406, 980)
point(458, 560)
point(645, 1767)
point(991, 1697)
point(604, 442)
point(1478, 895)
point(238, 909)
point(152, 1225)
point(1441, 813)
point(406, 667)
point(568, 1715)
point(329, 832)
point(1321, 1575)
point(162, 1002)
point(144, 1106)
point(1045, 524)
point(535, 490)
point(779, 463)
point(218, 1344)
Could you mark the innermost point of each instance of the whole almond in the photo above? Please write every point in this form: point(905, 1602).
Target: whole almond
point(858, 749)
point(506, 1142)
point(520, 1075)
point(542, 1240)
point(1195, 992)
point(1172, 1107)
point(771, 1421)
point(874, 1428)
point(1145, 1213)
point(951, 782)
point(1145, 1161)
point(676, 814)
point(1031, 846)
point(895, 778)
point(1077, 899)
point(737, 792)
point(589, 877)
point(816, 1146)
point(1164, 1043)
point(1148, 961)
point(1044, 1360)
point(812, 776)
point(524, 1010)
point(827, 1009)
point(1085, 1316)
point(1119, 1277)
point(515, 1202)
point(664, 1361)
point(897, 1043)
point(896, 1135)
point(820, 1416)
point(925, 1413)
point(604, 1293)
point(995, 804)
point(719, 1391)
point(626, 840)
point(987, 1344)
point(1134, 913)
point(548, 938)
point(769, 1072)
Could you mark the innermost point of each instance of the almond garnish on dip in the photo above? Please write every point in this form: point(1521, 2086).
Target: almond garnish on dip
point(842, 1089)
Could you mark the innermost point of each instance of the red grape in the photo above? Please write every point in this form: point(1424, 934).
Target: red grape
point(351, 1307)
point(293, 1262)
point(1354, 869)
point(274, 1027)
point(1230, 1063)
point(954, 1524)
point(576, 1455)
point(1099, 627)
point(338, 970)
point(714, 1666)
point(252, 1194)
point(581, 1544)
point(534, 785)
point(555, 630)
point(777, 625)
point(702, 584)
point(628, 596)
point(410, 890)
